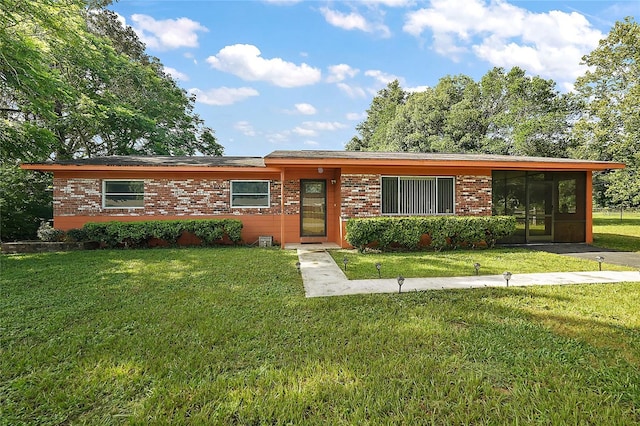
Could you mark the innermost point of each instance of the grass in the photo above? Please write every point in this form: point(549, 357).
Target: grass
point(611, 232)
point(460, 263)
point(225, 336)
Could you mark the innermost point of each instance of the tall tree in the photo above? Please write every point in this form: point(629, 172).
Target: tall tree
point(610, 126)
point(379, 115)
point(75, 83)
point(505, 113)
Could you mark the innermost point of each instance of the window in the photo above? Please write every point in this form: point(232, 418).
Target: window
point(567, 196)
point(250, 193)
point(124, 194)
point(417, 195)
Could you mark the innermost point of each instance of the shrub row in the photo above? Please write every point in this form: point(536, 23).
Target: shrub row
point(445, 232)
point(138, 234)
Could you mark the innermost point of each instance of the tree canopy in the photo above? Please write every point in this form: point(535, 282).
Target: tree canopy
point(609, 128)
point(504, 113)
point(75, 83)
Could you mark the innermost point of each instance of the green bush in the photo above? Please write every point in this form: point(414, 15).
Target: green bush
point(138, 234)
point(445, 232)
point(76, 236)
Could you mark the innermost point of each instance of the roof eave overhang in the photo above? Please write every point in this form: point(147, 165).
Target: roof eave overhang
point(173, 169)
point(458, 164)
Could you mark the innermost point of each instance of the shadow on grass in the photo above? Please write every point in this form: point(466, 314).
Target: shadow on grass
point(617, 241)
point(227, 337)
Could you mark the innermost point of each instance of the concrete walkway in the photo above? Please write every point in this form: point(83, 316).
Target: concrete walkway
point(323, 277)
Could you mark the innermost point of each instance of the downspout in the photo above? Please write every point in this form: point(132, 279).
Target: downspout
point(589, 208)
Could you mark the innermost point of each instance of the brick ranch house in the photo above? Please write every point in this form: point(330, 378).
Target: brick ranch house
point(307, 196)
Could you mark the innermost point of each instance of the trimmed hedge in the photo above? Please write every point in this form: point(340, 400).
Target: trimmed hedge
point(138, 234)
point(445, 232)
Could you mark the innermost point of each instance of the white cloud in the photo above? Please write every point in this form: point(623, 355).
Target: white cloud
point(550, 44)
point(278, 137)
point(306, 109)
point(301, 131)
point(223, 95)
point(311, 143)
point(168, 33)
point(177, 75)
point(355, 116)
point(311, 128)
point(416, 89)
point(323, 125)
point(244, 61)
point(282, 2)
point(391, 3)
point(382, 77)
point(245, 127)
point(341, 72)
point(352, 91)
point(353, 21)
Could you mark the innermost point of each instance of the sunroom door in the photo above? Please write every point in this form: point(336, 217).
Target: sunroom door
point(540, 210)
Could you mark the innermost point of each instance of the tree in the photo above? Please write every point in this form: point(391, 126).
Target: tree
point(504, 113)
point(379, 115)
point(25, 200)
point(75, 83)
point(609, 128)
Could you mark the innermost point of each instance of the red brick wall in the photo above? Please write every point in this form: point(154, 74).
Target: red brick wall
point(360, 195)
point(473, 195)
point(291, 196)
point(163, 197)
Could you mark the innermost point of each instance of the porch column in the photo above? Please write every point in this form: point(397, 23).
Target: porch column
point(589, 208)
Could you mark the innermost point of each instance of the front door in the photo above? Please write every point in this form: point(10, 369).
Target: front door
point(313, 213)
point(539, 226)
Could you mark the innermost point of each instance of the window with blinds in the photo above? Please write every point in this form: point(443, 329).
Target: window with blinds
point(408, 195)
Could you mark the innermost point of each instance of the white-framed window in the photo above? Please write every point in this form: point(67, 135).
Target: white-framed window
point(417, 195)
point(122, 194)
point(250, 193)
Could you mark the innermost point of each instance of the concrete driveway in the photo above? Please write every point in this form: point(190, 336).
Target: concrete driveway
point(585, 251)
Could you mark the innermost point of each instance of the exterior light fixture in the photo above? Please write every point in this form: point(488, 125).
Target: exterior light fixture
point(477, 268)
point(400, 282)
point(507, 276)
point(333, 181)
point(345, 261)
point(378, 266)
point(320, 170)
point(298, 266)
point(600, 259)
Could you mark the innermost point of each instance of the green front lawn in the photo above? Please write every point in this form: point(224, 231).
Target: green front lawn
point(460, 263)
point(611, 232)
point(225, 336)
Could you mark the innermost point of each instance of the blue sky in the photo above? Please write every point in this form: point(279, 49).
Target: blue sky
point(287, 74)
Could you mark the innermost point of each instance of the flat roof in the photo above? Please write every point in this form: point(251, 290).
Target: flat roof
point(163, 160)
point(277, 160)
point(437, 156)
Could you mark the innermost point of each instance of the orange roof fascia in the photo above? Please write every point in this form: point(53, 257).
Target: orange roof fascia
point(462, 164)
point(180, 169)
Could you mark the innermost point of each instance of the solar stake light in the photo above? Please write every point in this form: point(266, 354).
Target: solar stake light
point(345, 261)
point(600, 259)
point(477, 267)
point(400, 282)
point(507, 276)
point(298, 266)
point(378, 266)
